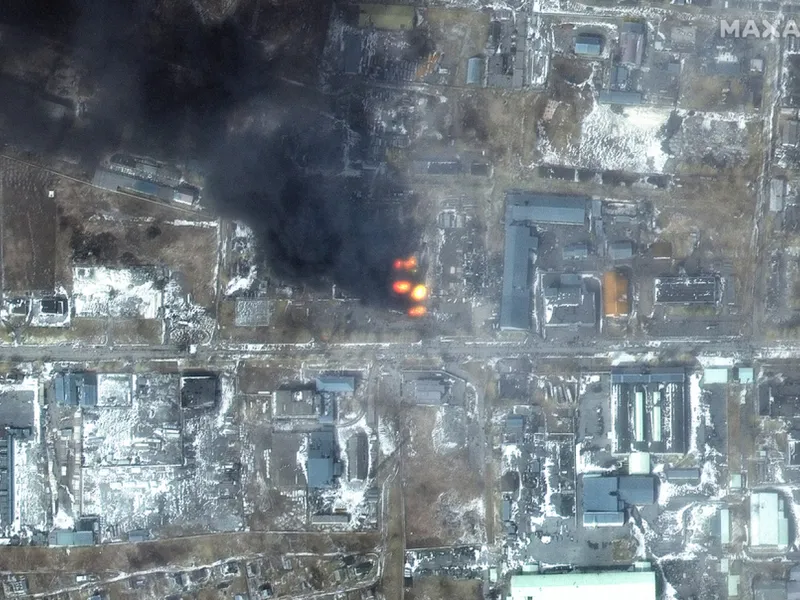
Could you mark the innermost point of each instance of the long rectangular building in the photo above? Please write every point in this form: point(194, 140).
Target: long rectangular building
point(515, 306)
point(604, 585)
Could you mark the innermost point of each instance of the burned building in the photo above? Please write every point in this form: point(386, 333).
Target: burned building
point(687, 290)
point(650, 410)
point(199, 391)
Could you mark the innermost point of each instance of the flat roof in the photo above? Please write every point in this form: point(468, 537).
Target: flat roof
point(545, 208)
point(630, 585)
point(768, 522)
point(640, 375)
point(515, 305)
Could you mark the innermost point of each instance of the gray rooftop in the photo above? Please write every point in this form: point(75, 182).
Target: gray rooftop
point(637, 489)
point(322, 465)
point(335, 384)
point(600, 494)
point(545, 208)
point(620, 98)
point(620, 250)
point(515, 307)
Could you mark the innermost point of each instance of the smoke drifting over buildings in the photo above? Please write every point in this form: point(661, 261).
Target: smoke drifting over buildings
point(166, 81)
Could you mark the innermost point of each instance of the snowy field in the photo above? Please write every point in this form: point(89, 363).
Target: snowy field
point(631, 141)
point(109, 292)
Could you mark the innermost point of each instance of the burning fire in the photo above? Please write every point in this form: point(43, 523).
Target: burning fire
point(419, 293)
point(417, 311)
point(408, 284)
point(401, 287)
point(405, 264)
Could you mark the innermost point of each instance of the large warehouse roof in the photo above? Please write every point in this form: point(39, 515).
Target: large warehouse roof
point(606, 585)
point(545, 208)
point(515, 307)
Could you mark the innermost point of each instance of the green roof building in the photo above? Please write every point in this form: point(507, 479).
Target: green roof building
point(604, 585)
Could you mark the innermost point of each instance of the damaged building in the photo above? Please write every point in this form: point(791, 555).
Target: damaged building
point(606, 498)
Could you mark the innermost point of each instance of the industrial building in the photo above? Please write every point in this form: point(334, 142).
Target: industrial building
point(531, 207)
point(322, 466)
point(687, 290)
point(769, 523)
point(631, 42)
point(650, 409)
point(120, 182)
point(515, 306)
point(428, 392)
point(588, 44)
point(606, 497)
point(335, 384)
point(76, 389)
point(627, 585)
point(568, 301)
point(616, 302)
point(475, 70)
point(620, 250)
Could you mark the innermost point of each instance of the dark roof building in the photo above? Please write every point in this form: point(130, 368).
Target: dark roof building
point(790, 134)
point(322, 467)
point(531, 207)
point(515, 305)
point(637, 490)
point(351, 53)
point(199, 391)
point(588, 44)
point(620, 250)
point(605, 497)
point(76, 389)
point(687, 290)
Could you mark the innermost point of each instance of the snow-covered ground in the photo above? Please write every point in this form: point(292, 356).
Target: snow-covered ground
point(115, 292)
point(629, 141)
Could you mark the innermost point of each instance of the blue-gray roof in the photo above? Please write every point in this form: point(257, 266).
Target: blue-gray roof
point(515, 305)
point(545, 208)
point(474, 70)
point(576, 250)
point(75, 389)
point(600, 494)
point(335, 384)
point(114, 181)
point(321, 466)
point(63, 537)
point(588, 43)
point(621, 98)
point(620, 250)
point(637, 489)
point(351, 55)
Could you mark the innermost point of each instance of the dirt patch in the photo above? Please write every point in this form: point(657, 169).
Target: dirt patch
point(444, 588)
point(28, 228)
point(443, 492)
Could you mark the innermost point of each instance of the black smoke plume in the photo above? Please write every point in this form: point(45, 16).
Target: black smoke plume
point(239, 95)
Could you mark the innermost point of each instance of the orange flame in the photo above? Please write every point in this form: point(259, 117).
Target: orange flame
point(401, 287)
point(407, 264)
point(417, 311)
point(419, 293)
